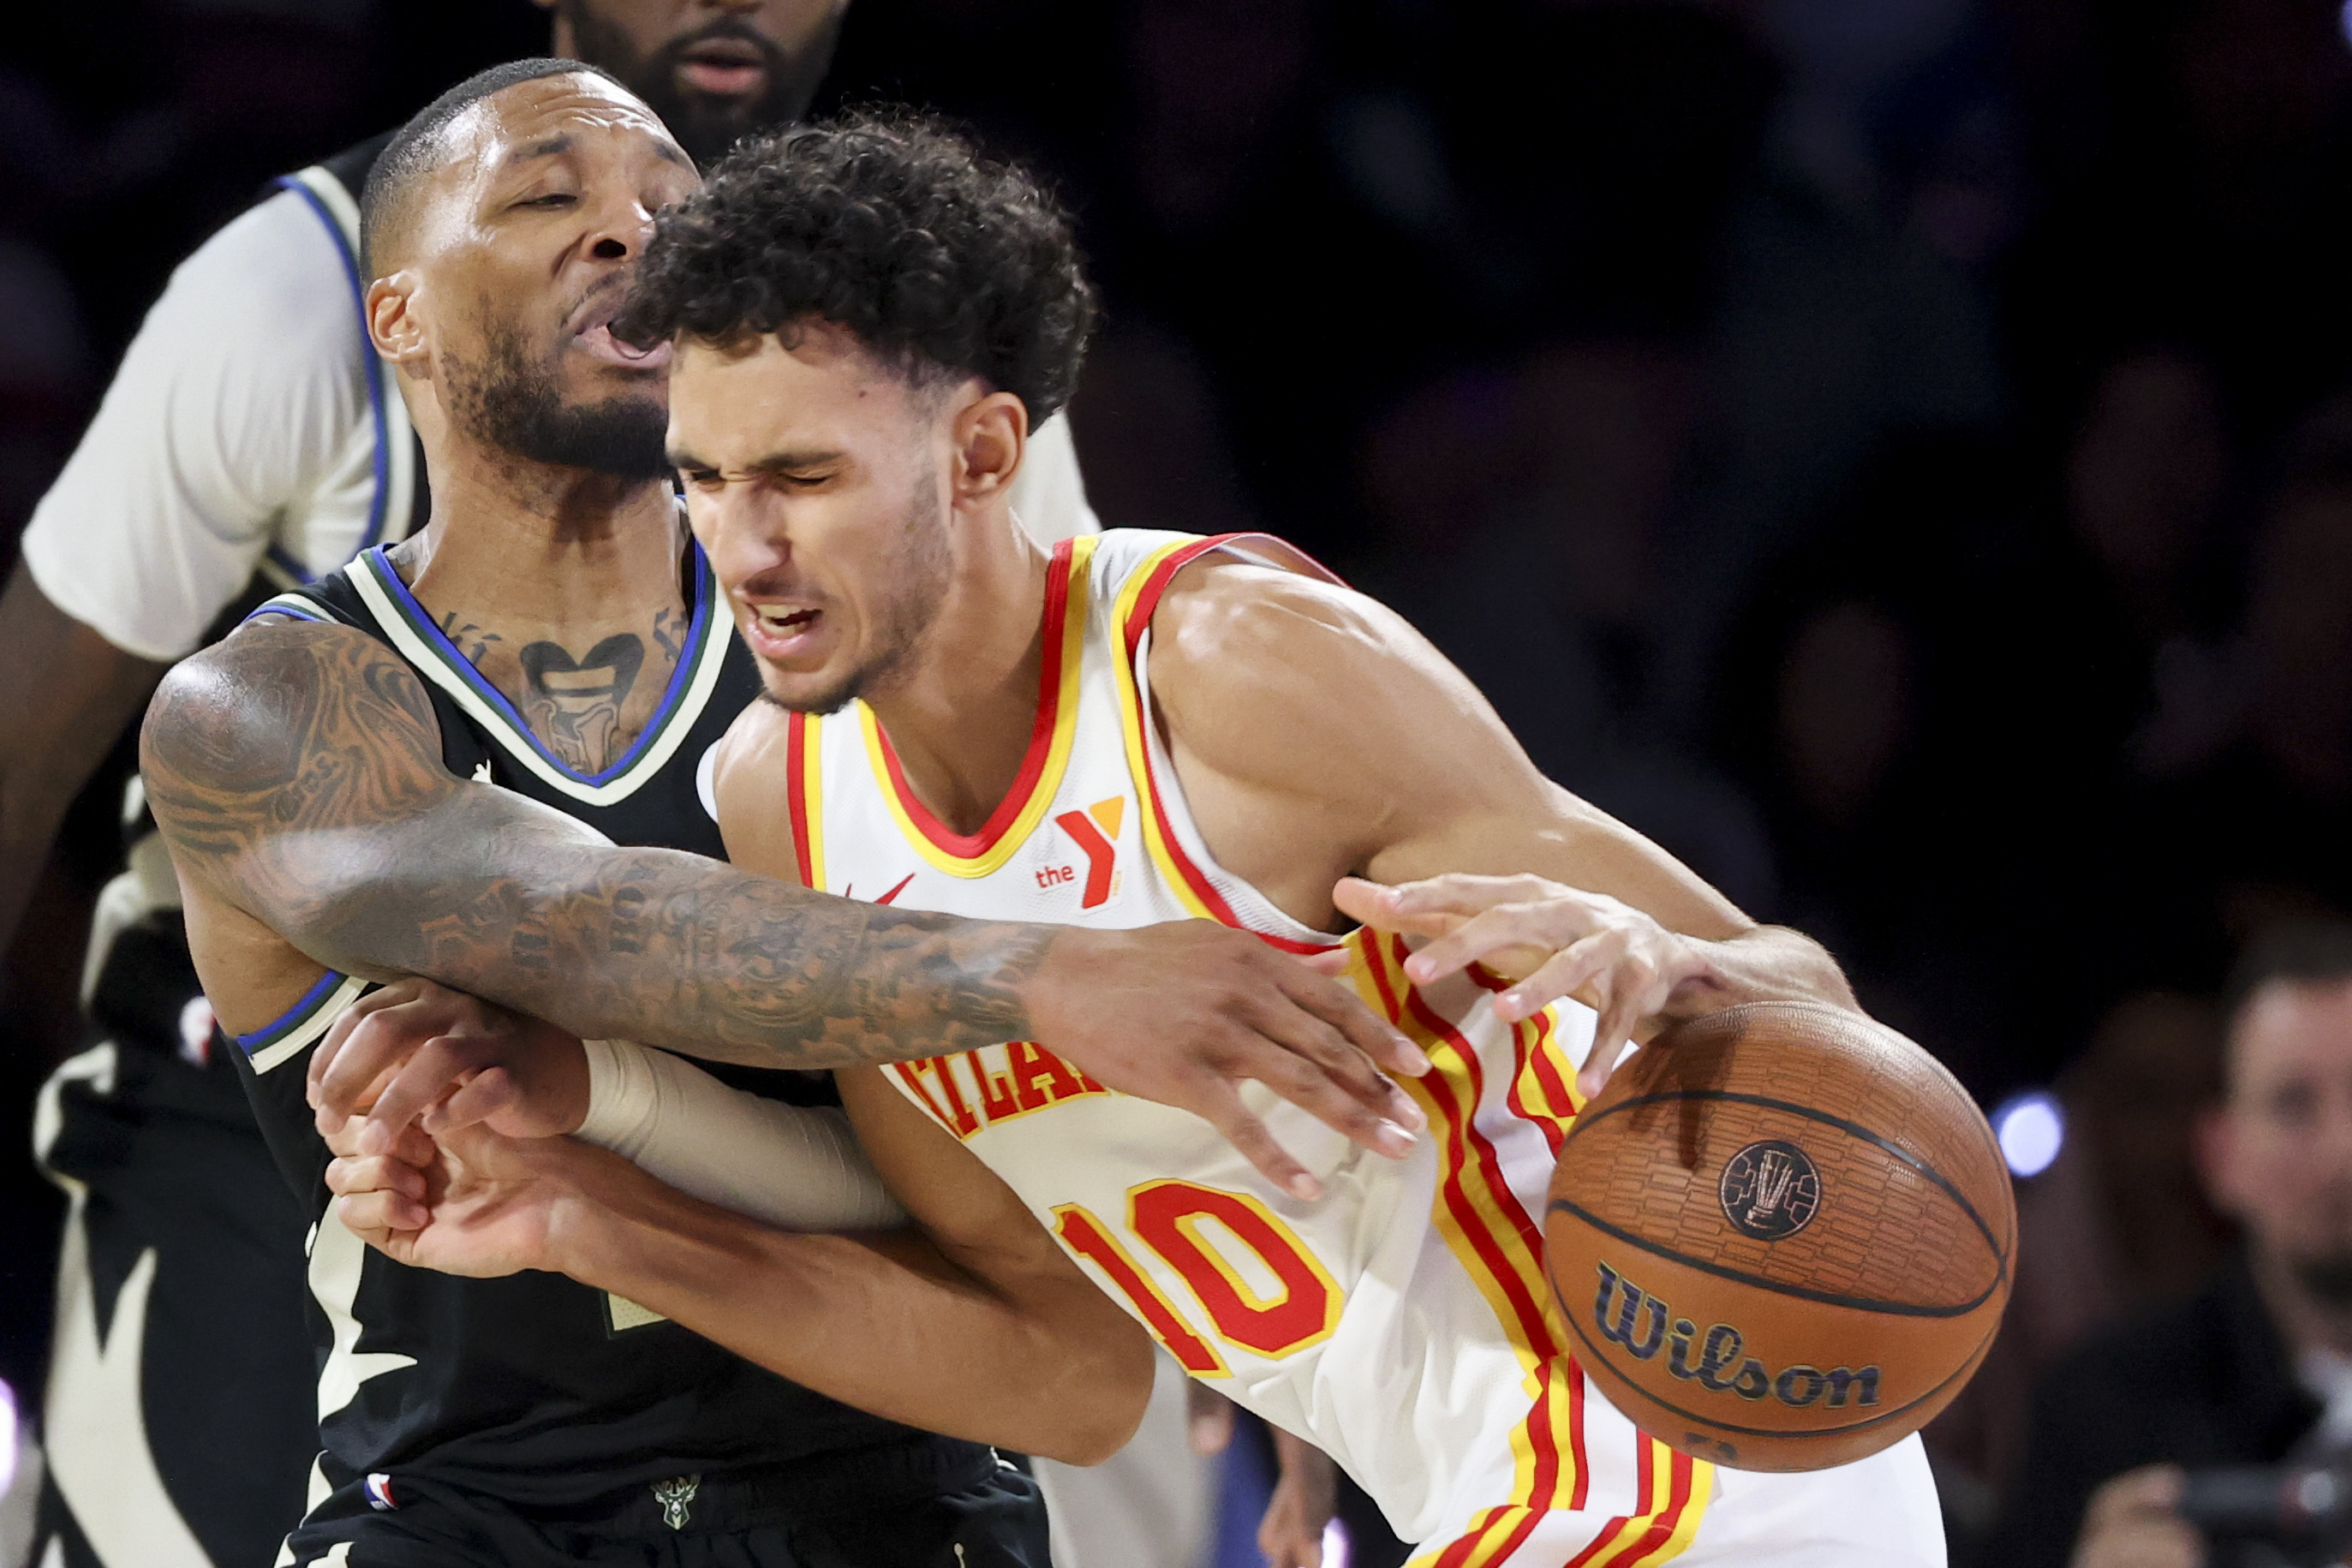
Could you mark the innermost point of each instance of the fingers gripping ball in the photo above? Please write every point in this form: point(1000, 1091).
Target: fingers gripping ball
point(1782, 1237)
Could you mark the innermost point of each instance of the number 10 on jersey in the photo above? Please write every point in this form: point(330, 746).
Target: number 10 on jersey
point(1201, 1233)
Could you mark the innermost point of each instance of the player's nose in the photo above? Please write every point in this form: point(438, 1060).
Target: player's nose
point(745, 542)
point(619, 229)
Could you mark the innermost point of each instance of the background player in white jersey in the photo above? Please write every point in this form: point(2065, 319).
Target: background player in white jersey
point(251, 442)
point(1137, 727)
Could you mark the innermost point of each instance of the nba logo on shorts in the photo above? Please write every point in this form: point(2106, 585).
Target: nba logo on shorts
point(379, 1492)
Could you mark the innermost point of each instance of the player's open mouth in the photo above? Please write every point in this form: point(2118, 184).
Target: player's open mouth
point(781, 630)
point(723, 67)
point(595, 335)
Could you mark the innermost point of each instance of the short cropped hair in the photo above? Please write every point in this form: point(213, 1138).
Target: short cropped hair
point(890, 224)
point(2300, 952)
point(414, 149)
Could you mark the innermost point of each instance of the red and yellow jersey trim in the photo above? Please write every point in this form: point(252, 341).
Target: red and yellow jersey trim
point(804, 758)
point(1500, 1246)
point(1132, 616)
point(980, 854)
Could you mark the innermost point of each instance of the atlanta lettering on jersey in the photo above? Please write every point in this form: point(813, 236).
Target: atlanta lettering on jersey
point(995, 1083)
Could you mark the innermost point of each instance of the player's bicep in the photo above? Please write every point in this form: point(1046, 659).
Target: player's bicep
point(1350, 711)
point(1567, 841)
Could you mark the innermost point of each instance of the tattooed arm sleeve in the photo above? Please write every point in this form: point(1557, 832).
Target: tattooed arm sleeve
point(295, 771)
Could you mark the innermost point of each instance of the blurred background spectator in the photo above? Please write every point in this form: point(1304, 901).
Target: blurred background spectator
point(1898, 452)
point(2255, 1366)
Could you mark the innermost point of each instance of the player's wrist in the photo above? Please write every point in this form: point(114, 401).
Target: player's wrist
point(1068, 963)
point(590, 1213)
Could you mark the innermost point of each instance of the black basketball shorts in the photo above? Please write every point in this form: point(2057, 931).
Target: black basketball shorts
point(894, 1507)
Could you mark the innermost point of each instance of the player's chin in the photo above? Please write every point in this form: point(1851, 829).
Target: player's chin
point(797, 690)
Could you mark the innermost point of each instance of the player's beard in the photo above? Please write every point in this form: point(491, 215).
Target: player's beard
point(917, 574)
point(515, 405)
point(704, 125)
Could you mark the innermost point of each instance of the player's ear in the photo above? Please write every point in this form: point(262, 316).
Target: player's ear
point(394, 325)
point(991, 434)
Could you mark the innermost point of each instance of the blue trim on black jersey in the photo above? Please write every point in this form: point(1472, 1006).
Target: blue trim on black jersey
point(383, 466)
point(292, 1017)
point(287, 611)
point(689, 657)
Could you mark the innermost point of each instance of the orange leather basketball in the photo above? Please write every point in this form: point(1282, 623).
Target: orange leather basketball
point(1782, 1237)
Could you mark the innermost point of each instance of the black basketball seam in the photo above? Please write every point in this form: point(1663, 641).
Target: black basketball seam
point(1854, 1129)
point(1965, 1368)
point(1804, 1293)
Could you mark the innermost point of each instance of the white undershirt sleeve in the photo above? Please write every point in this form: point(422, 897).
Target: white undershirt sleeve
point(796, 1167)
point(232, 405)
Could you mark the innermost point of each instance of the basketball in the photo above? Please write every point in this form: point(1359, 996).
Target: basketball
point(1781, 1236)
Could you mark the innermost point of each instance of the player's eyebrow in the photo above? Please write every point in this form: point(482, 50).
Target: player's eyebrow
point(547, 147)
point(562, 143)
point(787, 462)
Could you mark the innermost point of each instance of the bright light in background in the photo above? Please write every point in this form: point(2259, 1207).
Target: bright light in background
point(1335, 1546)
point(2032, 1130)
point(7, 1436)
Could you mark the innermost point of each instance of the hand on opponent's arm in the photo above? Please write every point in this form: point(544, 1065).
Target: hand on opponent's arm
point(1413, 779)
point(295, 769)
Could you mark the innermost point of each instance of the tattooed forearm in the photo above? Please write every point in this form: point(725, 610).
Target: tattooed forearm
point(673, 949)
point(295, 772)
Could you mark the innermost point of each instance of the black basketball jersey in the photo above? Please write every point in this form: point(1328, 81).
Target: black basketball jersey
point(533, 1388)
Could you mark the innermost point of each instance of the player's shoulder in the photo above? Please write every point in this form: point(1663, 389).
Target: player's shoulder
point(1258, 615)
point(748, 774)
point(277, 267)
point(755, 742)
point(255, 697)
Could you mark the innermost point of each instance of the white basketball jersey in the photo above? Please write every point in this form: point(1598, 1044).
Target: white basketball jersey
point(1401, 1323)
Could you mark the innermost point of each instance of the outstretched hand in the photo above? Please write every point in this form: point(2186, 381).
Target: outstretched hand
point(417, 1051)
point(1550, 942)
point(1183, 1012)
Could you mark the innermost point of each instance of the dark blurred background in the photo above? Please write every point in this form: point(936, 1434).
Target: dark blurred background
point(1897, 453)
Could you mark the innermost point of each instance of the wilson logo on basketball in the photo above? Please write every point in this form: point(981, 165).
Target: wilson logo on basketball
point(1769, 1190)
point(1630, 1316)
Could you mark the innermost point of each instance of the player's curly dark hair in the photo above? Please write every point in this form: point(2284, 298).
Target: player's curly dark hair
point(890, 225)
